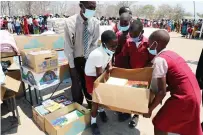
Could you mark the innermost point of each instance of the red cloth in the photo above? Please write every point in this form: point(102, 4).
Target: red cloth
point(181, 112)
point(189, 30)
point(35, 22)
point(90, 83)
point(139, 57)
point(119, 58)
point(115, 28)
point(25, 27)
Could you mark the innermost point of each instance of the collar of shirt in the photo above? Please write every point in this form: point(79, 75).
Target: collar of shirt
point(82, 20)
point(158, 54)
point(142, 41)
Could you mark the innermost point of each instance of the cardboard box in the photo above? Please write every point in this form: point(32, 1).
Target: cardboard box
point(41, 41)
point(72, 128)
point(40, 80)
point(122, 98)
point(12, 82)
point(39, 119)
point(39, 62)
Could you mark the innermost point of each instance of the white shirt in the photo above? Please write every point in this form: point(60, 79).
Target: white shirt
point(73, 35)
point(160, 70)
point(97, 58)
point(30, 21)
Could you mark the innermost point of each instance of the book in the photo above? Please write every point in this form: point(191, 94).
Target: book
point(74, 115)
point(137, 84)
point(60, 99)
point(48, 103)
point(41, 110)
point(61, 121)
point(54, 107)
point(117, 81)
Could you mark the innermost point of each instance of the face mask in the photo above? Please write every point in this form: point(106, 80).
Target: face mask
point(153, 52)
point(125, 28)
point(88, 13)
point(137, 39)
point(108, 51)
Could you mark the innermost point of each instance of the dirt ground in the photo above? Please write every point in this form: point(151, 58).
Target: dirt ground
point(187, 48)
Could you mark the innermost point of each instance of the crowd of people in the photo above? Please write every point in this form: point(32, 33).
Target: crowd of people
point(188, 28)
point(27, 24)
point(38, 24)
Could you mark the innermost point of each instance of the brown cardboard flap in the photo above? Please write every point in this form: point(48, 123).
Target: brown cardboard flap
point(12, 81)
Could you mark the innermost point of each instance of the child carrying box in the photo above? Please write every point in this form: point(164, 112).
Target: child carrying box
point(97, 62)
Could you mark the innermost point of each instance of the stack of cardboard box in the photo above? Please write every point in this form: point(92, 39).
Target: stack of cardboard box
point(40, 67)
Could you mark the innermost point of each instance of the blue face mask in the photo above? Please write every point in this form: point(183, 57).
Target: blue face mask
point(108, 51)
point(89, 13)
point(125, 28)
point(153, 52)
point(137, 39)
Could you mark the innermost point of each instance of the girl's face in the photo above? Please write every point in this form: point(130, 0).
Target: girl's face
point(112, 45)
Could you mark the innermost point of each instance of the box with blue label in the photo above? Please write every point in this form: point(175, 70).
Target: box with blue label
point(39, 59)
point(40, 80)
point(70, 120)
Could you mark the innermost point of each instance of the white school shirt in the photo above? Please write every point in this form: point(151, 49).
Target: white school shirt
point(97, 58)
point(160, 70)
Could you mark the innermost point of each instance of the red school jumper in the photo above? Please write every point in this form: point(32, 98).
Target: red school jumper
point(181, 112)
point(139, 57)
point(119, 58)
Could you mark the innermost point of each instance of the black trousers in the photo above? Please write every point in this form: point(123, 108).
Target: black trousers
point(79, 85)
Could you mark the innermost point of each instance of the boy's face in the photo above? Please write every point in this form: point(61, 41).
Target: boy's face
point(124, 23)
point(135, 32)
point(112, 45)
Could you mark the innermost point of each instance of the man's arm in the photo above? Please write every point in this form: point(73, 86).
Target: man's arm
point(68, 46)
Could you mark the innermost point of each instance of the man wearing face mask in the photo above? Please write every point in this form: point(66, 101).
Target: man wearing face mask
point(136, 53)
point(81, 33)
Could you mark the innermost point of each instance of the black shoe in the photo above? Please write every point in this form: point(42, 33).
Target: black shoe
point(133, 122)
point(95, 129)
point(123, 116)
point(103, 116)
point(202, 126)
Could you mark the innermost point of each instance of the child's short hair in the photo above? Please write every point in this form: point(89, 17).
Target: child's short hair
point(136, 24)
point(107, 36)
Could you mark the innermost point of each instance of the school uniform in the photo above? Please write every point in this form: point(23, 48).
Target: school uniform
point(181, 112)
point(115, 28)
point(97, 58)
point(119, 58)
point(138, 53)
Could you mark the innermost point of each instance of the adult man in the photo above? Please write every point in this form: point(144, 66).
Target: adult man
point(81, 37)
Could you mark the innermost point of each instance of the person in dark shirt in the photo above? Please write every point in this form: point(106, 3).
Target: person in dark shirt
point(199, 75)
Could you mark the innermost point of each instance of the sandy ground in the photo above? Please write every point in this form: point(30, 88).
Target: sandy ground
point(188, 49)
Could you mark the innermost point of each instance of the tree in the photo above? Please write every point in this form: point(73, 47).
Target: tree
point(200, 15)
point(164, 11)
point(178, 12)
point(148, 11)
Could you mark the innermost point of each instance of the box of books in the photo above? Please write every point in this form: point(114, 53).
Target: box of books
point(40, 80)
point(70, 120)
point(124, 90)
point(47, 107)
point(39, 59)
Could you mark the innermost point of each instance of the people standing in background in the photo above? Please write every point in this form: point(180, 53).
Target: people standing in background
point(17, 26)
point(81, 34)
point(35, 26)
point(184, 28)
point(30, 25)
point(5, 24)
point(181, 112)
point(10, 27)
point(25, 26)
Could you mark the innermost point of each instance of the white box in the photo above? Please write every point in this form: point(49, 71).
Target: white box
point(40, 80)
